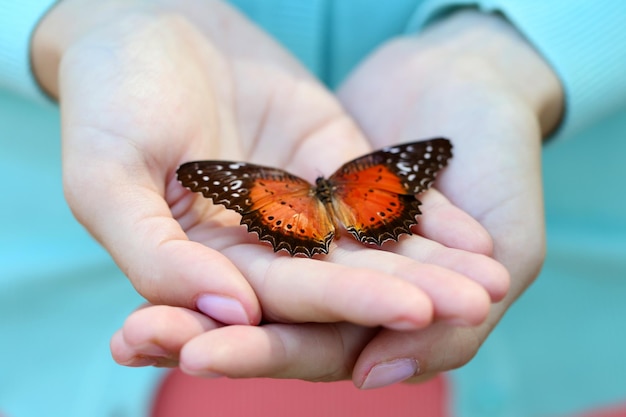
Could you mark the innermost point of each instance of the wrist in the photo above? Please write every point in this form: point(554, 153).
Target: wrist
point(485, 50)
point(63, 26)
point(71, 21)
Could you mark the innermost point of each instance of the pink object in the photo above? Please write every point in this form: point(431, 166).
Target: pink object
point(183, 395)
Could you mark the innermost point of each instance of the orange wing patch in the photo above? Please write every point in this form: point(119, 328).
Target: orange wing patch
point(376, 176)
point(289, 216)
point(382, 215)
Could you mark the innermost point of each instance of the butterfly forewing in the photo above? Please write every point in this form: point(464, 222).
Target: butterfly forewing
point(280, 207)
point(415, 165)
point(374, 195)
point(224, 182)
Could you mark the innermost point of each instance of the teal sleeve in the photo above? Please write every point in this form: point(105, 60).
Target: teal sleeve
point(583, 41)
point(18, 20)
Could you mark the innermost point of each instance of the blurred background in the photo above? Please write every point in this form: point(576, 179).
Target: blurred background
point(558, 352)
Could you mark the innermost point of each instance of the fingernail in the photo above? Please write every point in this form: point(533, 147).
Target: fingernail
point(388, 373)
point(223, 309)
point(138, 361)
point(198, 371)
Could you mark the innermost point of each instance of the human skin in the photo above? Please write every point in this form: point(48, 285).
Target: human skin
point(142, 90)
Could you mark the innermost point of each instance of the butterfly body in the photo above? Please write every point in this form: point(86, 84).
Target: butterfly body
point(373, 197)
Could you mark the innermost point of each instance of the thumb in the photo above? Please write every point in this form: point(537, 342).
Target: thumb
point(393, 356)
point(123, 206)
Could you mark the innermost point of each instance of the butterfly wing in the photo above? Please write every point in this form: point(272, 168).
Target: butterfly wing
point(375, 195)
point(280, 207)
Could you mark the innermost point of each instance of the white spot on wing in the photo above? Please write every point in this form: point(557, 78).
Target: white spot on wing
point(403, 166)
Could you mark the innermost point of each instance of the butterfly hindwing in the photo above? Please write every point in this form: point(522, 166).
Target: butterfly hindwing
point(286, 213)
point(374, 195)
point(383, 213)
point(280, 207)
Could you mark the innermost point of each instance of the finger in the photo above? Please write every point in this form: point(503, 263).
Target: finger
point(454, 297)
point(492, 276)
point(125, 210)
point(392, 357)
point(311, 290)
point(314, 352)
point(154, 335)
point(447, 224)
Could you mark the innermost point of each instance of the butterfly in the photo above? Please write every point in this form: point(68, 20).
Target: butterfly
point(373, 197)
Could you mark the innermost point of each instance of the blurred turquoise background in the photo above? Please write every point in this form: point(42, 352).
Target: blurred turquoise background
point(61, 296)
point(560, 349)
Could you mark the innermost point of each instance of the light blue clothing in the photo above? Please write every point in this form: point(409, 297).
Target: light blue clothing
point(17, 21)
point(580, 39)
point(559, 349)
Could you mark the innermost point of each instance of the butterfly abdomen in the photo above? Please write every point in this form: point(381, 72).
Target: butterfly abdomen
point(323, 190)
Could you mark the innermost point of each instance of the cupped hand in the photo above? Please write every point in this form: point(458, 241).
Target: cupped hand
point(477, 80)
point(144, 88)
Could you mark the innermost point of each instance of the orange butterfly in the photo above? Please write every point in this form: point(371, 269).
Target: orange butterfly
point(373, 197)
